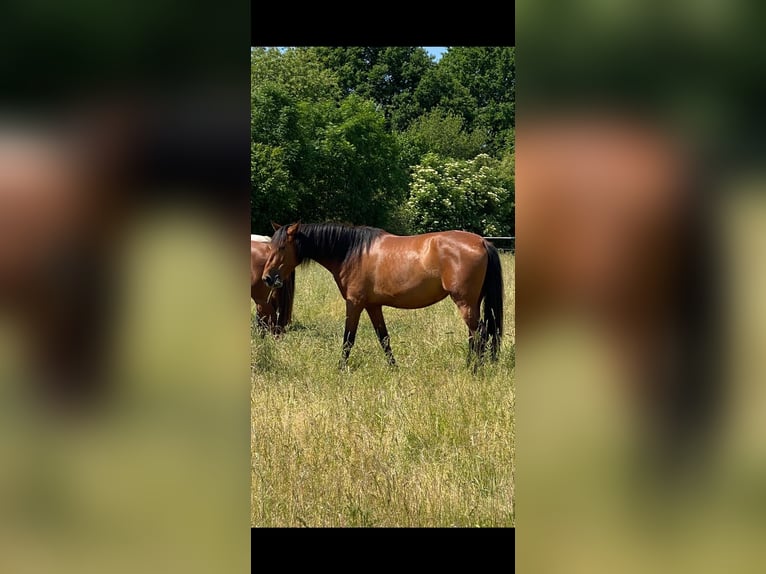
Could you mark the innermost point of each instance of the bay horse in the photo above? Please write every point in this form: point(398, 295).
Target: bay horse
point(612, 226)
point(274, 308)
point(59, 198)
point(374, 268)
point(74, 183)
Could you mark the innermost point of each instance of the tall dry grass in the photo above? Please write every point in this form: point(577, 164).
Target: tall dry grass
point(425, 444)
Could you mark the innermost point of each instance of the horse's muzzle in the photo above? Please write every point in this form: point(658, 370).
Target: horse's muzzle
point(274, 282)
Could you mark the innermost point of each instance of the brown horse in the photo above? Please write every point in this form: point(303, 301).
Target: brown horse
point(373, 268)
point(74, 183)
point(274, 308)
point(58, 216)
point(611, 228)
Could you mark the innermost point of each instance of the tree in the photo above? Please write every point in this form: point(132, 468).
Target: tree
point(299, 72)
point(335, 131)
point(273, 191)
point(387, 75)
point(357, 176)
point(441, 133)
point(473, 195)
point(441, 88)
point(479, 84)
point(314, 155)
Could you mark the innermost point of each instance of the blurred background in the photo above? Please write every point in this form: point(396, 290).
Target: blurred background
point(124, 176)
point(640, 217)
point(640, 225)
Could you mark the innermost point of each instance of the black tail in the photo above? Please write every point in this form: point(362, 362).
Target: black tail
point(492, 293)
point(692, 410)
point(285, 303)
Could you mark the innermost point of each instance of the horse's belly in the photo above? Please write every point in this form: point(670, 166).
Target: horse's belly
point(410, 295)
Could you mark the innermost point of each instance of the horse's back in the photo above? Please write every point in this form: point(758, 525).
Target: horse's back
point(413, 271)
point(439, 240)
point(430, 250)
point(460, 242)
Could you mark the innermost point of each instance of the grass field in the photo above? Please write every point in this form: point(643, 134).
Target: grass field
point(425, 444)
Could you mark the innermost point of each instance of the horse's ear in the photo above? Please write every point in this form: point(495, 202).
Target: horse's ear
point(276, 226)
point(291, 230)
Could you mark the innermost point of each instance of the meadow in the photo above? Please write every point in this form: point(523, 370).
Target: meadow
point(425, 444)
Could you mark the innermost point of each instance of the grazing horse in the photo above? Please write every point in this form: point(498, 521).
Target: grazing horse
point(57, 225)
point(72, 185)
point(373, 268)
point(274, 308)
point(611, 227)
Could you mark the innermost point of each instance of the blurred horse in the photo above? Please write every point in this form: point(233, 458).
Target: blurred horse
point(58, 214)
point(610, 226)
point(274, 308)
point(72, 183)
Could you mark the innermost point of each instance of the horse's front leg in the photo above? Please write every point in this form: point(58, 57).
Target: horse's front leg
point(379, 324)
point(353, 312)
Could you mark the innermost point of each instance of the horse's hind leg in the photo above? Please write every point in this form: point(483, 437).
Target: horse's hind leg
point(379, 324)
point(476, 333)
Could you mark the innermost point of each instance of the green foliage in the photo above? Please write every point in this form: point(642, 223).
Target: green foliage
point(440, 88)
point(387, 75)
point(356, 174)
point(473, 195)
point(273, 195)
point(316, 157)
point(299, 72)
point(335, 132)
point(274, 117)
point(507, 176)
point(477, 83)
point(441, 133)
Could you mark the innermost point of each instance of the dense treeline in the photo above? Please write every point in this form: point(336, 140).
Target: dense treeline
point(384, 137)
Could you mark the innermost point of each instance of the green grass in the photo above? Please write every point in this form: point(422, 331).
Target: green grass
point(425, 444)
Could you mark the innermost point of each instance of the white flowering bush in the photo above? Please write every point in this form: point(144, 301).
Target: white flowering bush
point(474, 195)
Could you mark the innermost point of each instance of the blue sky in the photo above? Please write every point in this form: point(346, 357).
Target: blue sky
point(435, 52)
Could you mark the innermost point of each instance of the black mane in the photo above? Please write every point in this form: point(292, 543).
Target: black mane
point(333, 241)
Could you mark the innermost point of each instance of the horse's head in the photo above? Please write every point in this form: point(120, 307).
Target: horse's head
point(283, 258)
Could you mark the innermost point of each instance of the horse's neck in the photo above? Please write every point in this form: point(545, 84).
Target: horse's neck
point(331, 265)
point(334, 267)
point(338, 273)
